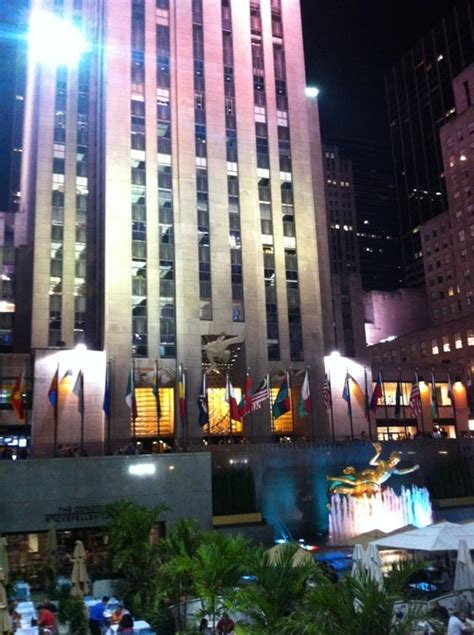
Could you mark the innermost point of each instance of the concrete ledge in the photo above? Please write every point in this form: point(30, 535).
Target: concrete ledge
point(237, 519)
point(463, 501)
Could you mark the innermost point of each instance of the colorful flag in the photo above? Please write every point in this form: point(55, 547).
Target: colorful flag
point(398, 399)
point(245, 405)
point(304, 404)
point(346, 394)
point(16, 398)
point(130, 396)
point(415, 398)
point(470, 392)
point(282, 403)
point(156, 391)
point(232, 401)
point(376, 394)
point(182, 392)
point(327, 396)
point(451, 392)
point(106, 401)
point(78, 390)
point(366, 397)
point(53, 390)
point(203, 403)
point(260, 395)
point(434, 398)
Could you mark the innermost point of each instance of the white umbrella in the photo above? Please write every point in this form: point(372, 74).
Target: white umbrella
point(358, 556)
point(373, 564)
point(79, 577)
point(440, 537)
point(464, 575)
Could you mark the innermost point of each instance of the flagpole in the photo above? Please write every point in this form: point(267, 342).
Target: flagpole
point(81, 404)
point(366, 404)
point(349, 404)
point(421, 403)
point(291, 401)
point(227, 389)
point(333, 434)
point(251, 414)
point(206, 394)
point(132, 382)
point(55, 414)
point(311, 404)
point(185, 413)
point(402, 400)
point(109, 425)
point(157, 405)
point(270, 403)
point(384, 404)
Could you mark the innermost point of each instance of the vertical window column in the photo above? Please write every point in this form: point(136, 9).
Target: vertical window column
point(264, 185)
point(138, 180)
point(237, 281)
point(57, 212)
point(203, 223)
point(287, 197)
point(82, 191)
point(165, 187)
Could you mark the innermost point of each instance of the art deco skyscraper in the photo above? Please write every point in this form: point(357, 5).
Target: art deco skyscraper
point(167, 197)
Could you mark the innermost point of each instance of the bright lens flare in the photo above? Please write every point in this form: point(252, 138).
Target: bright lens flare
point(54, 41)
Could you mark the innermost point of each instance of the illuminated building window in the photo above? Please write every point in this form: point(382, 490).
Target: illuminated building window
point(220, 422)
point(457, 340)
point(434, 347)
point(470, 337)
point(446, 344)
point(146, 424)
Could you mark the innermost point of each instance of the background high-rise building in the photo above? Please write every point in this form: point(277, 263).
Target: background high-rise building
point(167, 194)
point(420, 100)
point(343, 254)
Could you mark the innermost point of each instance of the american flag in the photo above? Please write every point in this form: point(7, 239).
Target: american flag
point(260, 395)
point(327, 397)
point(415, 399)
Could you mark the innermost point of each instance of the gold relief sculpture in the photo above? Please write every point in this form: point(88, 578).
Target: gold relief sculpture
point(367, 482)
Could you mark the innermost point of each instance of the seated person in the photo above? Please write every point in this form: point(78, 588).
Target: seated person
point(126, 624)
point(117, 615)
point(46, 620)
point(225, 625)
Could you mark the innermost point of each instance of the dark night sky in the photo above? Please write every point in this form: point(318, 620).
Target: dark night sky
point(348, 43)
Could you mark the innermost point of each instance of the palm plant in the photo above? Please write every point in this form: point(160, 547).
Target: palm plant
point(357, 606)
point(132, 554)
point(278, 590)
point(219, 563)
point(177, 552)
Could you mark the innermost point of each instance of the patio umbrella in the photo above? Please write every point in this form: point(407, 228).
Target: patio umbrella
point(358, 556)
point(4, 621)
point(79, 577)
point(373, 564)
point(464, 575)
point(4, 558)
point(440, 537)
point(301, 555)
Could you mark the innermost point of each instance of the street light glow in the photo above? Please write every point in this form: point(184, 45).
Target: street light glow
point(312, 92)
point(54, 41)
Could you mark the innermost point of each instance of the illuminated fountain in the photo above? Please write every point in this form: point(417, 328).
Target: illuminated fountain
point(359, 504)
point(385, 510)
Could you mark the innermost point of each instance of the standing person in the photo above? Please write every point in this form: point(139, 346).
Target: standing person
point(96, 616)
point(225, 625)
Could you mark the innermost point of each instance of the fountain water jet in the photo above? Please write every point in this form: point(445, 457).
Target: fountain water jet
point(384, 510)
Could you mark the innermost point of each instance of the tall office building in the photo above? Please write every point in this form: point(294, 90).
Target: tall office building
point(420, 100)
point(167, 201)
point(346, 283)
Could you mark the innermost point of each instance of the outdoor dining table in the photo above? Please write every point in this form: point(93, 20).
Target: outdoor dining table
point(27, 630)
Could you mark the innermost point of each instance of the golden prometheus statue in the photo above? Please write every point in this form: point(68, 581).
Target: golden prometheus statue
point(367, 482)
